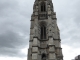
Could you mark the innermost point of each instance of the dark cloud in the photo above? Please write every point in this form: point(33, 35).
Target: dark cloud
point(11, 39)
point(14, 27)
point(11, 43)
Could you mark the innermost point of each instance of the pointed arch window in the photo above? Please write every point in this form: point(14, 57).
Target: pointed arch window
point(43, 7)
point(43, 32)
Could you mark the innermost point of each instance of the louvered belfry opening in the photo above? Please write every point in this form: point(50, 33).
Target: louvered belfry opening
point(42, 11)
point(43, 7)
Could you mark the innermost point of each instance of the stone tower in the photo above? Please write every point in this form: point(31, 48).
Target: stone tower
point(45, 42)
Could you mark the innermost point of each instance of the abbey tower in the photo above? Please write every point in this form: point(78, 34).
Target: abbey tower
point(45, 42)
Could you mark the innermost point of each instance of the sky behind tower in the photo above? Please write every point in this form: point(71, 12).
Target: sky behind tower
point(15, 18)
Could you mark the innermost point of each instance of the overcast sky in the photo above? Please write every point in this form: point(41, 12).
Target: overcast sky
point(15, 18)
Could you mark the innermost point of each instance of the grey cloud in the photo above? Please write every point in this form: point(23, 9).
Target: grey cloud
point(9, 39)
point(11, 16)
point(68, 21)
point(7, 7)
point(14, 27)
point(11, 43)
point(77, 13)
point(15, 17)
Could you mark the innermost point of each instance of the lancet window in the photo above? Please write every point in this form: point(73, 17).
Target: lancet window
point(43, 31)
point(43, 7)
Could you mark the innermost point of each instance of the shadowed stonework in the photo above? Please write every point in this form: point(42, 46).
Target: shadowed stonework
point(45, 42)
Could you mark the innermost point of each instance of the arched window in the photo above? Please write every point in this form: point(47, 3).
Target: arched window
point(43, 7)
point(43, 56)
point(43, 32)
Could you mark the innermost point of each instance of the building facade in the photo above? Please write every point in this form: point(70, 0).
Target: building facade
point(77, 57)
point(45, 42)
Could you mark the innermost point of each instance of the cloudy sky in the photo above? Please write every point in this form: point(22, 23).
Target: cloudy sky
point(15, 18)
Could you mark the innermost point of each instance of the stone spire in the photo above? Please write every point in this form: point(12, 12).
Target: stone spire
point(45, 42)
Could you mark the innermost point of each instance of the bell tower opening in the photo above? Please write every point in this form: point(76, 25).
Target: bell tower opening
point(43, 7)
point(43, 30)
point(43, 10)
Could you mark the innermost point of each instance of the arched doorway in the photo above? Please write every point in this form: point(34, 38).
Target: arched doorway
point(43, 56)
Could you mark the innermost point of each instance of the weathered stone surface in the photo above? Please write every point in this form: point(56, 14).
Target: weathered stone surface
point(44, 41)
point(52, 56)
point(34, 56)
point(51, 49)
point(35, 49)
point(35, 42)
point(51, 41)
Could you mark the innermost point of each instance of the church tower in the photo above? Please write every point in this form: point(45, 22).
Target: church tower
point(45, 42)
